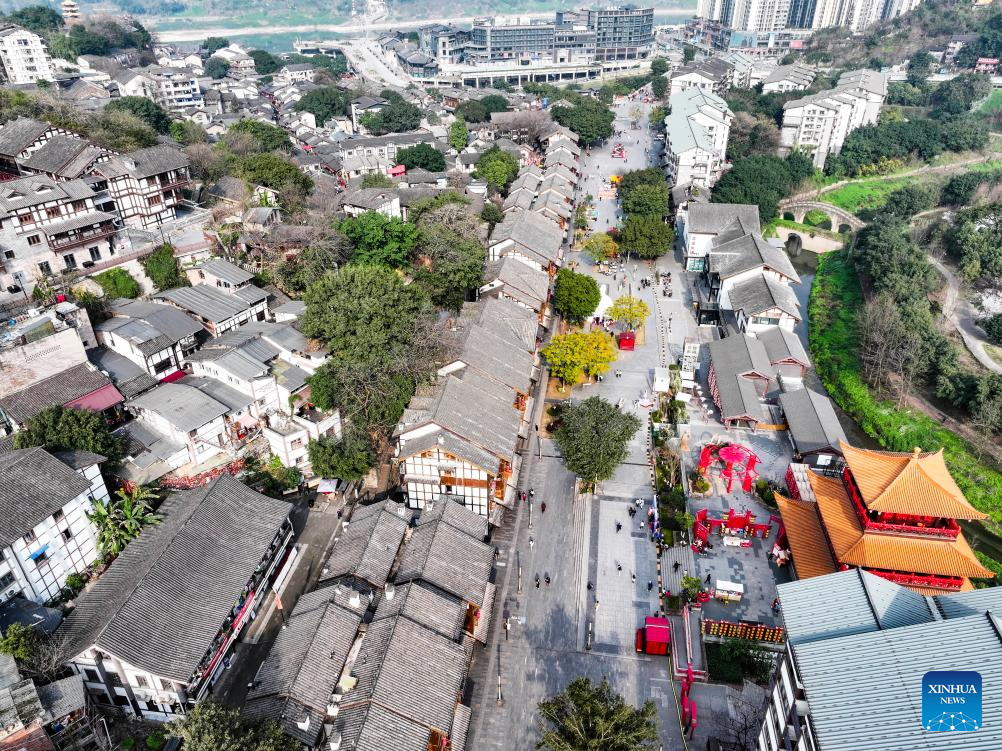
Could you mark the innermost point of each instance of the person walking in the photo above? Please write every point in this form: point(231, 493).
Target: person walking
point(618, 527)
point(708, 578)
point(542, 507)
point(675, 566)
point(619, 568)
point(537, 581)
point(650, 585)
point(547, 580)
point(532, 493)
point(633, 578)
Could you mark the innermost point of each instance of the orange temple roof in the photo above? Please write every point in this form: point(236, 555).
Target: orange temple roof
point(894, 552)
point(811, 554)
point(917, 484)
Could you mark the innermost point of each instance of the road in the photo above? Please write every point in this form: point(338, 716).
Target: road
point(959, 313)
point(576, 543)
point(366, 57)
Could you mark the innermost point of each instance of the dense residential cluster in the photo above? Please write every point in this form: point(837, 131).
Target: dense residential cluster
point(299, 348)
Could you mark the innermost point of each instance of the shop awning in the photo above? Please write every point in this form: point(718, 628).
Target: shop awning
point(98, 401)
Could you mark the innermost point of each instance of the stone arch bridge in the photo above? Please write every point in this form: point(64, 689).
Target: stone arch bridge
point(839, 217)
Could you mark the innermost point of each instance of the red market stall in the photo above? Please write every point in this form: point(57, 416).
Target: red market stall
point(654, 638)
point(627, 341)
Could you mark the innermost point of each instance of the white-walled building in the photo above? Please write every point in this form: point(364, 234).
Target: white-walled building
point(45, 534)
point(157, 338)
point(219, 311)
point(528, 237)
point(24, 58)
point(174, 88)
point(711, 74)
point(157, 629)
point(147, 185)
point(820, 123)
point(696, 134)
point(785, 78)
point(699, 224)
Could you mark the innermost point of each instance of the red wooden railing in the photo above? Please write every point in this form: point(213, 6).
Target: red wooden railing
point(902, 523)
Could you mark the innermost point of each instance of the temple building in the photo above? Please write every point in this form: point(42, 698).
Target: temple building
point(892, 514)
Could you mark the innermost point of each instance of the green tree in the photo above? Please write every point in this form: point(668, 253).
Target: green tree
point(647, 200)
point(216, 67)
point(422, 156)
point(494, 103)
point(498, 168)
point(186, 132)
point(122, 131)
point(593, 438)
point(600, 247)
point(274, 171)
point(20, 642)
point(659, 66)
point(750, 135)
point(589, 716)
point(630, 181)
point(161, 267)
point(209, 726)
point(576, 296)
point(472, 111)
point(459, 134)
point(659, 87)
point(265, 63)
point(646, 235)
point(369, 398)
point(570, 356)
point(993, 327)
point(955, 97)
point(365, 314)
point(64, 428)
point(688, 53)
point(145, 109)
point(377, 180)
point(37, 18)
point(121, 519)
point(491, 213)
point(272, 478)
point(325, 103)
point(453, 265)
point(348, 459)
point(379, 240)
point(213, 44)
point(396, 117)
point(118, 283)
point(589, 119)
point(267, 137)
point(630, 310)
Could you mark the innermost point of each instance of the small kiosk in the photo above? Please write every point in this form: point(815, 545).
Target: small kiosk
point(728, 591)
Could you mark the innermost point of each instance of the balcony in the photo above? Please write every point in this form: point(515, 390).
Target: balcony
point(82, 237)
point(898, 524)
point(177, 182)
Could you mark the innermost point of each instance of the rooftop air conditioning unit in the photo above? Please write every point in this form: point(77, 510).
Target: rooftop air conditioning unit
point(355, 599)
point(389, 591)
point(803, 708)
point(304, 725)
point(335, 742)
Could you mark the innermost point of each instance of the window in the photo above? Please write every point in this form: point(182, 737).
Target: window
point(45, 268)
point(34, 239)
point(79, 205)
point(42, 557)
point(29, 537)
point(142, 682)
point(58, 515)
point(67, 535)
point(25, 219)
point(166, 685)
point(153, 201)
point(53, 211)
point(8, 254)
point(121, 701)
point(113, 678)
point(70, 261)
point(6, 580)
point(95, 254)
point(91, 675)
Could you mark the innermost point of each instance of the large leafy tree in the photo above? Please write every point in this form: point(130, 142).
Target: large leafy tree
point(630, 310)
point(120, 520)
point(37, 18)
point(266, 137)
point(265, 63)
point(589, 716)
point(274, 171)
point(498, 168)
point(422, 156)
point(377, 239)
point(762, 180)
point(452, 265)
point(365, 314)
point(216, 67)
point(161, 267)
point(324, 103)
point(396, 117)
point(349, 458)
point(575, 295)
point(472, 111)
point(209, 726)
point(371, 398)
point(600, 247)
point(570, 356)
point(459, 134)
point(647, 199)
point(494, 103)
point(593, 438)
point(646, 235)
point(633, 179)
point(145, 109)
point(64, 428)
point(589, 118)
point(214, 44)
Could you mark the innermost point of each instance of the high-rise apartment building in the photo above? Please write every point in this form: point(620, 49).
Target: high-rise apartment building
point(776, 15)
point(623, 32)
point(24, 58)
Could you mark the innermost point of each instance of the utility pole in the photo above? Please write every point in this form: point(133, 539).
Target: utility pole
point(500, 695)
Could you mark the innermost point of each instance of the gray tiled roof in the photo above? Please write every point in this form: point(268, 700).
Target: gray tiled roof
point(782, 344)
point(537, 236)
point(488, 350)
point(52, 156)
point(38, 189)
point(712, 218)
point(297, 677)
point(814, 426)
point(205, 301)
point(443, 613)
point(520, 281)
point(762, 293)
point(739, 354)
point(79, 458)
point(129, 378)
point(451, 512)
point(751, 251)
point(183, 406)
point(61, 388)
point(33, 486)
point(481, 411)
point(442, 555)
point(228, 272)
point(144, 163)
point(63, 697)
point(167, 320)
point(800, 75)
point(229, 397)
point(17, 135)
point(368, 546)
point(162, 602)
point(409, 671)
